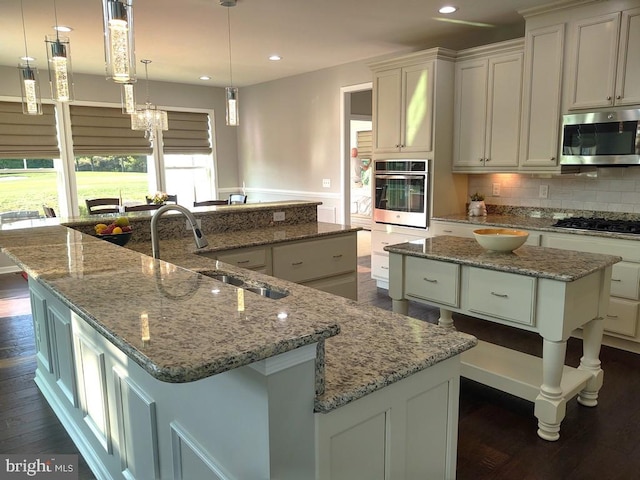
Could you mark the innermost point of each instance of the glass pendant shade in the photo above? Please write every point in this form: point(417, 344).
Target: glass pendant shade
point(233, 116)
point(128, 98)
point(118, 40)
point(30, 86)
point(59, 60)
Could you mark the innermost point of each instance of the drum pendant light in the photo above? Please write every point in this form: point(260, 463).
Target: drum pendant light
point(29, 81)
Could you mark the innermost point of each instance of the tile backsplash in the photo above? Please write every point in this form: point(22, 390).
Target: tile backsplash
point(612, 190)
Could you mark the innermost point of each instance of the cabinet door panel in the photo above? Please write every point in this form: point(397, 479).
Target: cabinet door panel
point(596, 43)
point(386, 113)
point(503, 115)
point(417, 99)
point(541, 94)
point(470, 113)
point(628, 77)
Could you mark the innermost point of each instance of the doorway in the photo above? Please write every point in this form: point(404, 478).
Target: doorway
point(356, 119)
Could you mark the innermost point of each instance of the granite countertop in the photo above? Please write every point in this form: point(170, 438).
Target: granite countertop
point(528, 222)
point(195, 328)
point(541, 262)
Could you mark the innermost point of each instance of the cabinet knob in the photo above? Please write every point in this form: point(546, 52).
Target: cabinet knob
point(553, 159)
point(618, 97)
point(480, 160)
point(609, 97)
point(487, 159)
point(397, 145)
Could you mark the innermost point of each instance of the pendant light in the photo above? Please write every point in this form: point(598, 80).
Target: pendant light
point(149, 118)
point(128, 99)
point(231, 92)
point(59, 60)
point(118, 40)
point(29, 80)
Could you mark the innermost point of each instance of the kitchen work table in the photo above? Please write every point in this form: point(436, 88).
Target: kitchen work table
point(157, 370)
point(544, 290)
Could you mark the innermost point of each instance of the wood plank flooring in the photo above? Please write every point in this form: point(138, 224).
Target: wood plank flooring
point(497, 434)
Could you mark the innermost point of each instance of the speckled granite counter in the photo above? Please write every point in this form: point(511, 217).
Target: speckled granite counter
point(197, 333)
point(541, 262)
point(528, 222)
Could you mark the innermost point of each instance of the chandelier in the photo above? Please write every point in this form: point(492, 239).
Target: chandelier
point(149, 118)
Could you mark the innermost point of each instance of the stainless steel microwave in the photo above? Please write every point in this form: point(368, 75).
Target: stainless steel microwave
point(607, 138)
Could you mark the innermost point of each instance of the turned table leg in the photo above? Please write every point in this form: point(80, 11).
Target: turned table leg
point(551, 405)
point(446, 319)
point(590, 362)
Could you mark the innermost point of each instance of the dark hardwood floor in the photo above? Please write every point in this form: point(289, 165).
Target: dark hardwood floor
point(497, 434)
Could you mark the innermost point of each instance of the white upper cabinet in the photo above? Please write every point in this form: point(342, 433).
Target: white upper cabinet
point(403, 109)
point(542, 88)
point(488, 93)
point(606, 64)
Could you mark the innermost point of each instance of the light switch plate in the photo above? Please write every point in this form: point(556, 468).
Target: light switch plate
point(544, 191)
point(326, 183)
point(496, 190)
point(278, 216)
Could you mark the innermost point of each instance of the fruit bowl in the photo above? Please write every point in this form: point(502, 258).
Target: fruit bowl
point(118, 238)
point(500, 239)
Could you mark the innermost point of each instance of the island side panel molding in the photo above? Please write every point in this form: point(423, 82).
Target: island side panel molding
point(407, 430)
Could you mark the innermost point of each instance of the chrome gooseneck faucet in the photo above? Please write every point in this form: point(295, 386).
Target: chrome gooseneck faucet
point(201, 242)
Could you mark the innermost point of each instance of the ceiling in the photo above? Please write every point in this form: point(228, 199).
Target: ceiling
point(189, 38)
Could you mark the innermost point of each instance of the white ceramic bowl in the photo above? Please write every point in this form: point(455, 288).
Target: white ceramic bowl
point(500, 239)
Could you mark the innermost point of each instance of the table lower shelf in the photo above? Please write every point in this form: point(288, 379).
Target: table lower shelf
point(515, 372)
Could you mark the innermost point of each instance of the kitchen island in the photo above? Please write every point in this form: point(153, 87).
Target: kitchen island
point(159, 371)
point(545, 290)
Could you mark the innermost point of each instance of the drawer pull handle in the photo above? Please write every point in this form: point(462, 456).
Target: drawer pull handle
point(616, 280)
point(385, 243)
point(239, 262)
point(501, 295)
point(430, 280)
point(612, 316)
point(295, 264)
point(448, 231)
point(338, 256)
point(384, 268)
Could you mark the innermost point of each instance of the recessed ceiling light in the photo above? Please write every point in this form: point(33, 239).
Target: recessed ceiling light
point(448, 9)
point(275, 58)
point(62, 28)
point(205, 77)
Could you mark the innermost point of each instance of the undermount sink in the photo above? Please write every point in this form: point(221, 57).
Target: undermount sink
point(255, 287)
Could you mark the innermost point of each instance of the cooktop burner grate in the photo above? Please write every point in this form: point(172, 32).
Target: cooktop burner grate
point(600, 224)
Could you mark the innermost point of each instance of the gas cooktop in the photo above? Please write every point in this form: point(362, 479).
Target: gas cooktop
point(600, 224)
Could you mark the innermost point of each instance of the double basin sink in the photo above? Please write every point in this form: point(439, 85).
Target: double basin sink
point(259, 288)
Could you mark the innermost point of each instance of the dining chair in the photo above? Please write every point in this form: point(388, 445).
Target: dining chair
point(236, 198)
point(96, 206)
point(141, 208)
point(48, 211)
point(206, 203)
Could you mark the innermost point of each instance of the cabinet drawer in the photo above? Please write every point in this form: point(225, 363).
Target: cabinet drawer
point(304, 261)
point(245, 258)
point(379, 240)
point(625, 278)
point(433, 280)
point(622, 317)
point(502, 295)
point(380, 266)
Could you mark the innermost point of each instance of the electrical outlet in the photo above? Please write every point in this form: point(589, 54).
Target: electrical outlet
point(326, 183)
point(544, 191)
point(278, 216)
point(188, 224)
point(496, 190)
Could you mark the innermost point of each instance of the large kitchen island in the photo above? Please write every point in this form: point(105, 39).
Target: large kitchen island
point(157, 370)
point(544, 290)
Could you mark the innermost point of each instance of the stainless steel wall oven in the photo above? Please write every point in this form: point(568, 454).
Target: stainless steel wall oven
point(402, 192)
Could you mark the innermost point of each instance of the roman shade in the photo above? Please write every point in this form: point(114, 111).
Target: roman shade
point(105, 131)
point(27, 136)
point(188, 133)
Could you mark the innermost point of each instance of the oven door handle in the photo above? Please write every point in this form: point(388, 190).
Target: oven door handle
point(397, 176)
